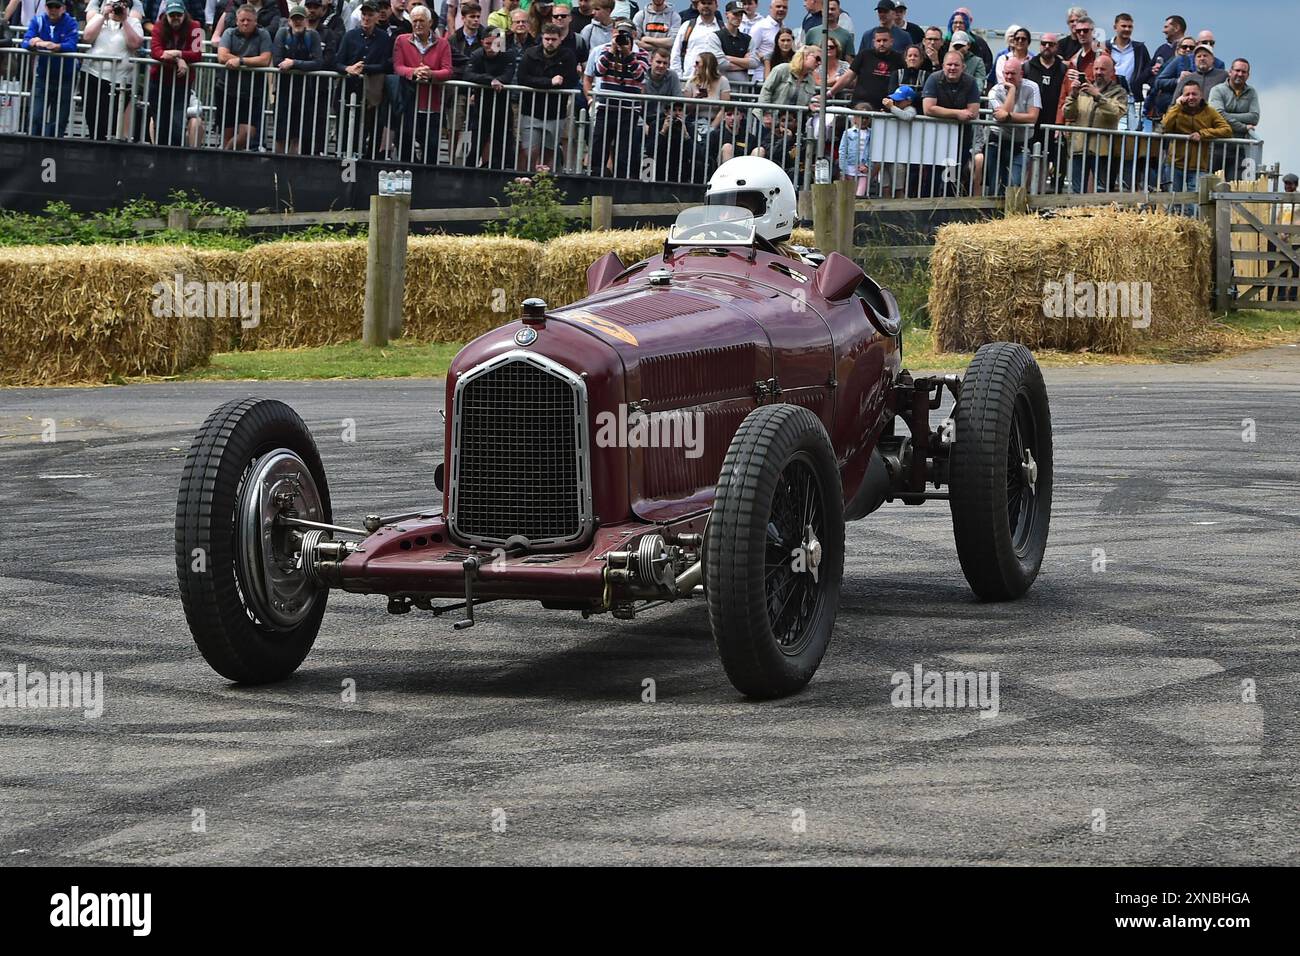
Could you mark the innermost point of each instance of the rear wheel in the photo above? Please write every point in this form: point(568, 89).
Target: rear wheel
point(1000, 472)
point(253, 612)
point(775, 547)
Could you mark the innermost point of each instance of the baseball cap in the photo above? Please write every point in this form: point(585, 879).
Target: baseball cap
point(175, 6)
point(297, 10)
point(902, 93)
point(886, 5)
point(960, 37)
point(370, 5)
point(1291, 178)
point(734, 6)
point(1203, 46)
point(626, 26)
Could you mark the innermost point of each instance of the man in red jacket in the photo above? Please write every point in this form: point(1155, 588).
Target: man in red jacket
point(423, 61)
point(175, 44)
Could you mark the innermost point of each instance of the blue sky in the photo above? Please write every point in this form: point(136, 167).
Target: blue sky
point(1261, 34)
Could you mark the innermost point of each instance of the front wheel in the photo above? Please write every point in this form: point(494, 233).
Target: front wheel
point(775, 547)
point(1000, 471)
point(252, 610)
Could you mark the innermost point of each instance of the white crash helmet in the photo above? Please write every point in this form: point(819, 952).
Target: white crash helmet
point(762, 187)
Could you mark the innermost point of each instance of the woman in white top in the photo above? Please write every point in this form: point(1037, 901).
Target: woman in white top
point(114, 34)
point(1017, 49)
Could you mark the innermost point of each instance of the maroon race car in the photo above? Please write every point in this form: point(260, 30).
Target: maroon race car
point(700, 426)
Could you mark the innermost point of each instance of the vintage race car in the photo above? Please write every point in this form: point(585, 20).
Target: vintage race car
point(700, 426)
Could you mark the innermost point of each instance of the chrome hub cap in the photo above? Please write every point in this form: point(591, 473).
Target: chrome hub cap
point(276, 590)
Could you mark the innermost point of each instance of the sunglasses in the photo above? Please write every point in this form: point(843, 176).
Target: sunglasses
point(1046, 43)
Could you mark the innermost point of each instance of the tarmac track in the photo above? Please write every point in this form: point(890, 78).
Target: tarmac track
point(1120, 690)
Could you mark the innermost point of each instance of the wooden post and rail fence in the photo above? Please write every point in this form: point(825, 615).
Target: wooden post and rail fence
point(1256, 259)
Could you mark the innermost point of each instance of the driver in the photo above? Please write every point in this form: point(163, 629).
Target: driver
point(762, 187)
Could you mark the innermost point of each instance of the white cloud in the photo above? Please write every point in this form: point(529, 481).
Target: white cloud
point(1281, 138)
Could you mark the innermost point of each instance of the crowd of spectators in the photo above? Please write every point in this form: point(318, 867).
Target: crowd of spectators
point(392, 58)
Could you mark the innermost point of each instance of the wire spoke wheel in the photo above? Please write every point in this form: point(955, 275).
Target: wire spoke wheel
point(775, 551)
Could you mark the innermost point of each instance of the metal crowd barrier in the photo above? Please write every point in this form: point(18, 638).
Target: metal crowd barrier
point(678, 141)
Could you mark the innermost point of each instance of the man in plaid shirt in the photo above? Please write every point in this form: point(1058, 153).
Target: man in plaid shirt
point(622, 68)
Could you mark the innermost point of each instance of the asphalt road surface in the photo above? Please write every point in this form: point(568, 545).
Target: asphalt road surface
point(1148, 699)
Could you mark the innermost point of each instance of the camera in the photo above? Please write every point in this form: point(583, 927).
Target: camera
point(118, 7)
point(623, 38)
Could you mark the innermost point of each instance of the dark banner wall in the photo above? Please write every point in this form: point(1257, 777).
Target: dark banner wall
point(92, 176)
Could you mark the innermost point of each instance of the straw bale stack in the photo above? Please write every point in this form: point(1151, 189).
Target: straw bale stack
point(1026, 279)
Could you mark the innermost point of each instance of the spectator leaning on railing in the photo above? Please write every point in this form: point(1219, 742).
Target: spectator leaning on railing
point(492, 67)
point(114, 34)
point(422, 60)
point(952, 95)
point(547, 66)
point(176, 43)
point(296, 51)
point(1236, 100)
point(1016, 101)
point(1238, 103)
point(243, 47)
point(269, 14)
point(51, 34)
point(1200, 122)
point(365, 57)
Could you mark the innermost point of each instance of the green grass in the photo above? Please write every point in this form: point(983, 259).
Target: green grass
point(350, 360)
point(1263, 321)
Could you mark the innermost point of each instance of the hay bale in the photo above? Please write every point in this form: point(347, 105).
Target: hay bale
point(1021, 279)
point(458, 287)
point(562, 268)
point(312, 293)
point(93, 313)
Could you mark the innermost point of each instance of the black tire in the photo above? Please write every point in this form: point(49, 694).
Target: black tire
point(1000, 524)
point(235, 641)
point(778, 457)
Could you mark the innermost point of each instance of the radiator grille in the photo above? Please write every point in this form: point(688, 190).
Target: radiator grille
point(519, 465)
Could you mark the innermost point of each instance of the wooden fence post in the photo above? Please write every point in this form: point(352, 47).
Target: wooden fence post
point(846, 208)
point(824, 232)
point(397, 268)
point(1221, 250)
point(1206, 186)
point(602, 213)
point(379, 263)
point(179, 220)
